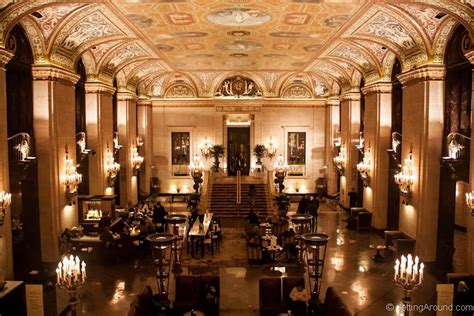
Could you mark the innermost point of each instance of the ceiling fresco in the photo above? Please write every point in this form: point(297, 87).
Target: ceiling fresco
point(290, 49)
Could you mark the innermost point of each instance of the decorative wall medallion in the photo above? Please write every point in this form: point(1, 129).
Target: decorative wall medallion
point(288, 34)
point(194, 46)
point(336, 21)
point(236, 87)
point(164, 47)
point(11, 43)
point(189, 34)
point(180, 18)
point(238, 17)
point(313, 48)
point(297, 19)
point(179, 91)
point(140, 20)
point(239, 45)
point(297, 91)
point(282, 46)
point(238, 33)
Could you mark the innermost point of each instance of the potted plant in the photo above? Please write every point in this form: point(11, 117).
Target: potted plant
point(259, 152)
point(217, 151)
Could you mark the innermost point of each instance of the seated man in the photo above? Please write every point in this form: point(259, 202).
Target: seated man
point(299, 296)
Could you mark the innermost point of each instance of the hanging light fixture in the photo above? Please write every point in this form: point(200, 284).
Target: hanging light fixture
point(364, 167)
point(406, 178)
point(136, 159)
point(340, 160)
point(206, 148)
point(72, 178)
point(112, 168)
point(5, 201)
point(271, 148)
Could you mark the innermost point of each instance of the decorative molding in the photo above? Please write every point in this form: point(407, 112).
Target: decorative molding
point(425, 73)
point(126, 96)
point(378, 87)
point(238, 108)
point(5, 57)
point(98, 87)
point(52, 73)
point(470, 56)
point(351, 96)
point(333, 101)
point(144, 102)
point(179, 91)
point(297, 91)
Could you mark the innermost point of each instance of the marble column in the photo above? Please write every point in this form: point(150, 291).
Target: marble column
point(127, 129)
point(145, 131)
point(423, 107)
point(350, 127)
point(54, 129)
point(332, 128)
point(377, 134)
point(470, 218)
point(99, 121)
point(6, 252)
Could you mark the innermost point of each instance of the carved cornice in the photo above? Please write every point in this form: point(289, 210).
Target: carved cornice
point(350, 96)
point(51, 73)
point(144, 102)
point(424, 73)
point(126, 96)
point(98, 87)
point(378, 87)
point(5, 57)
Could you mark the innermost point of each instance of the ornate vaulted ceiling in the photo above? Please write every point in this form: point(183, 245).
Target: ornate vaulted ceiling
point(186, 48)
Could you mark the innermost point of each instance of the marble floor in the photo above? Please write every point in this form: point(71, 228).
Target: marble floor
point(365, 286)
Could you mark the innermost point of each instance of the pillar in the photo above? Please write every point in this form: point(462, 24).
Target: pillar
point(145, 130)
point(350, 127)
point(470, 219)
point(423, 107)
point(127, 129)
point(6, 251)
point(99, 121)
point(332, 128)
point(377, 134)
point(54, 129)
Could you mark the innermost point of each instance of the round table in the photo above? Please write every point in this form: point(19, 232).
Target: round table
point(378, 257)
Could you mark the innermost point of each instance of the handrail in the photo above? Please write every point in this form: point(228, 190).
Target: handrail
point(239, 188)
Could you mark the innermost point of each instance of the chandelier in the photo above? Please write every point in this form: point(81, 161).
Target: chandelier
point(470, 201)
point(111, 167)
point(364, 167)
point(406, 177)
point(5, 201)
point(340, 159)
point(206, 148)
point(72, 179)
point(271, 148)
point(137, 160)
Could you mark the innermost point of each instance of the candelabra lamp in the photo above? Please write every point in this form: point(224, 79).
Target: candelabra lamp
point(281, 168)
point(161, 245)
point(111, 167)
point(196, 168)
point(271, 149)
point(71, 276)
point(301, 224)
point(364, 167)
point(409, 276)
point(72, 179)
point(470, 201)
point(315, 255)
point(5, 201)
point(205, 148)
point(406, 178)
point(137, 160)
point(340, 160)
point(177, 227)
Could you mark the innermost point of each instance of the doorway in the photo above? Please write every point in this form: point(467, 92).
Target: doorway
point(238, 144)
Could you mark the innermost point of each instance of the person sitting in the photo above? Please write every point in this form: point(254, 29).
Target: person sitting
point(252, 217)
point(107, 238)
point(313, 206)
point(146, 226)
point(299, 296)
point(287, 241)
point(105, 221)
point(159, 214)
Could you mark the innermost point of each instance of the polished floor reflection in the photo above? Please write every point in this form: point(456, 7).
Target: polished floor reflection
point(365, 286)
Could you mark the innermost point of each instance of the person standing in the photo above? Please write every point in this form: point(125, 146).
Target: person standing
point(313, 206)
point(303, 205)
point(353, 198)
point(252, 195)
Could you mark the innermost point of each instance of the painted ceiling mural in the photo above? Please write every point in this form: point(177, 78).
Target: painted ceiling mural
point(188, 48)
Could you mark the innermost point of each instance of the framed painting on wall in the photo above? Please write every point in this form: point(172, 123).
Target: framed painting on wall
point(180, 153)
point(296, 153)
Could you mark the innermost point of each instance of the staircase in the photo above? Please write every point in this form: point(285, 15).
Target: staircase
point(223, 197)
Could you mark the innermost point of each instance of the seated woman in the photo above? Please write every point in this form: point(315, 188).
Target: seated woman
point(211, 300)
point(299, 296)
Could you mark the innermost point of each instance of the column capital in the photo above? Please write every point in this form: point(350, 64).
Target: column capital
point(144, 102)
point(425, 73)
point(52, 73)
point(333, 101)
point(350, 96)
point(5, 57)
point(126, 96)
point(99, 87)
point(377, 87)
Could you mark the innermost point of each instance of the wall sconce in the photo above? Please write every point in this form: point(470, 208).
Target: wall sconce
point(271, 148)
point(361, 144)
point(364, 167)
point(117, 146)
point(281, 168)
point(206, 148)
point(337, 139)
point(140, 141)
point(340, 160)
point(72, 179)
point(136, 159)
point(196, 168)
point(111, 167)
point(470, 201)
point(406, 178)
point(5, 201)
